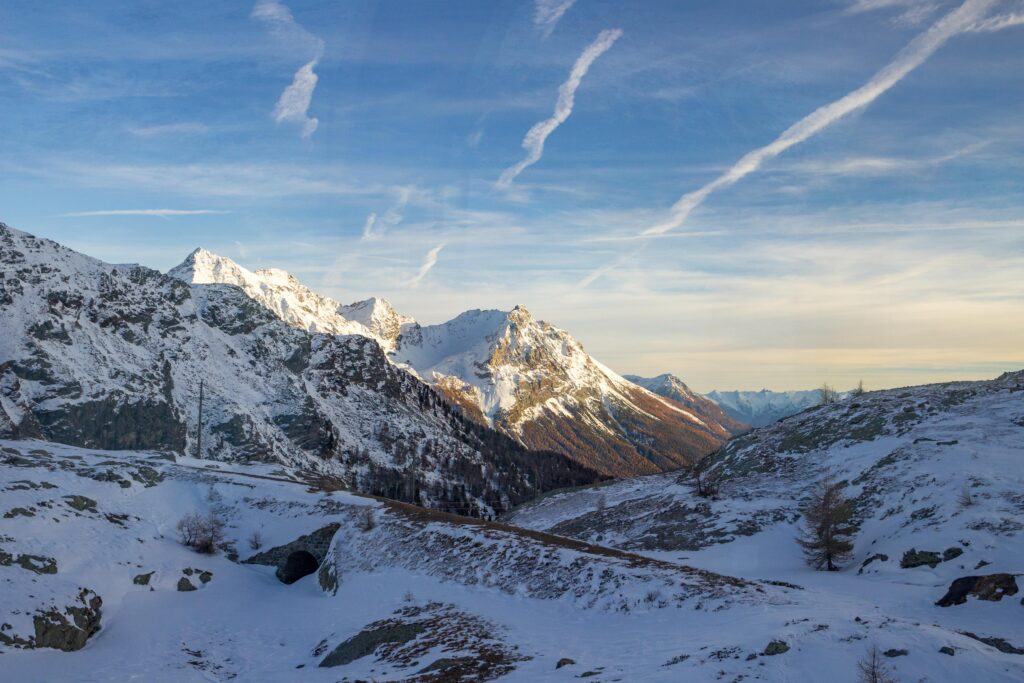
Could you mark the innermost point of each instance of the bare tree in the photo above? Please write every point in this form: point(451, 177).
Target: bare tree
point(256, 540)
point(872, 669)
point(826, 535)
point(602, 502)
point(366, 519)
point(827, 395)
point(859, 390)
point(189, 528)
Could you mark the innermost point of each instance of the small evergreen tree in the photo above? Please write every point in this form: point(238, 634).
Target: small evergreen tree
point(826, 536)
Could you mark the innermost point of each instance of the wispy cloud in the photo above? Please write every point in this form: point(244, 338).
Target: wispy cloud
point(171, 129)
point(375, 226)
point(533, 143)
point(998, 23)
point(911, 57)
point(251, 181)
point(159, 213)
point(428, 263)
point(866, 166)
point(293, 105)
point(548, 13)
point(913, 12)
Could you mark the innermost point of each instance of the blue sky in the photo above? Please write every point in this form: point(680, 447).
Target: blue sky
point(371, 148)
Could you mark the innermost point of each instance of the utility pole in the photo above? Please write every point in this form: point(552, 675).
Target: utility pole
point(199, 431)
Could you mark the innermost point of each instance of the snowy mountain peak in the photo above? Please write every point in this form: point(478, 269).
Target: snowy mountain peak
point(379, 317)
point(665, 384)
point(203, 267)
point(276, 290)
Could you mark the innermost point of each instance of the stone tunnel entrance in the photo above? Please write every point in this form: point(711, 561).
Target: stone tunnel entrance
point(300, 563)
point(299, 558)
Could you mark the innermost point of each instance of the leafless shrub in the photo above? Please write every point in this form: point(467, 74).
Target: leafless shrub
point(827, 395)
point(256, 540)
point(872, 669)
point(202, 534)
point(708, 483)
point(602, 502)
point(966, 498)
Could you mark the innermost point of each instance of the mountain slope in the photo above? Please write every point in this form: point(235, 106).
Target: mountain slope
point(674, 388)
point(536, 383)
point(760, 408)
point(112, 357)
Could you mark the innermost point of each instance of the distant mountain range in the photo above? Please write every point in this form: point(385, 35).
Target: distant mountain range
point(736, 409)
point(760, 408)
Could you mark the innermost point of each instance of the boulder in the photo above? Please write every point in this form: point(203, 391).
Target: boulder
point(55, 630)
point(776, 647)
point(991, 587)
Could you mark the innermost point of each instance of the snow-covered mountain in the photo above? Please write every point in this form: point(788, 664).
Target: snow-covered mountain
point(535, 382)
point(760, 408)
point(293, 302)
point(113, 356)
point(505, 370)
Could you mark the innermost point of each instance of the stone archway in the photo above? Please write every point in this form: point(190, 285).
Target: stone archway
point(299, 558)
point(297, 565)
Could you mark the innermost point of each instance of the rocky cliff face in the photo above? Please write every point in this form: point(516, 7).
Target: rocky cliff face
point(112, 357)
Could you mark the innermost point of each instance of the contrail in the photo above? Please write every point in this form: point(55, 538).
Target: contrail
point(533, 143)
point(960, 20)
point(429, 262)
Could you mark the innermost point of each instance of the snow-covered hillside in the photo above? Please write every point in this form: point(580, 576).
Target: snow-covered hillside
point(760, 408)
point(108, 356)
point(506, 370)
point(91, 563)
point(936, 474)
